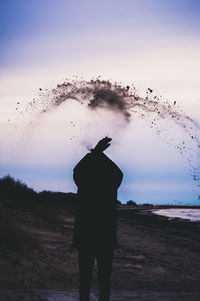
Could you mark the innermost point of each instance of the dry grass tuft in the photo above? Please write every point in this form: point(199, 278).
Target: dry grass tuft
point(15, 238)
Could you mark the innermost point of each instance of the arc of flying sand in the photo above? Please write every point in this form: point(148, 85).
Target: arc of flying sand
point(102, 94)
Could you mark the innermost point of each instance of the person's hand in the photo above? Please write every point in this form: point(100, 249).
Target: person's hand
point(102, 145)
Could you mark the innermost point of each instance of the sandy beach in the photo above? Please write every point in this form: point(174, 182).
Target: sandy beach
point(156, 259)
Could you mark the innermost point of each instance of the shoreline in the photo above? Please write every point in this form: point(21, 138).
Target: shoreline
point(142, 213)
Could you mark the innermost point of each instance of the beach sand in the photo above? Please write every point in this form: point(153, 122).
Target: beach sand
point(156, 259)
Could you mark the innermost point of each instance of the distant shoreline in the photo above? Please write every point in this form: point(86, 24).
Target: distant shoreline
point(146, 216)
point(152, 206)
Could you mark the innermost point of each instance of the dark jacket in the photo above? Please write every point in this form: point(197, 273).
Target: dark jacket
point(97, 178)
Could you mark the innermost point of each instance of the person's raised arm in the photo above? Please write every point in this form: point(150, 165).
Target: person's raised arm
point(101, 146)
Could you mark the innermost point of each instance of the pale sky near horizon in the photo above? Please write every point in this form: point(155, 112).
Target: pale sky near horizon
point(149, 43)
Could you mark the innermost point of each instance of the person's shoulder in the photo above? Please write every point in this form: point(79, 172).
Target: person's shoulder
point(112, 163)
point(83, 161)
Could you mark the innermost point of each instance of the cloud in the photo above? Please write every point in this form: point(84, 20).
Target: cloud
point(167, 186)
point(169, 65)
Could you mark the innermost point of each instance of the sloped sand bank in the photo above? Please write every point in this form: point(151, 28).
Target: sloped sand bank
point(47, 295)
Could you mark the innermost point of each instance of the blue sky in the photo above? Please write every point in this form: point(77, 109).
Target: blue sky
point(152, 19)
point(151, 43)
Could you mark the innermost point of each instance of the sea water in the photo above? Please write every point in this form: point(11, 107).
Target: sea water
point(184, 213)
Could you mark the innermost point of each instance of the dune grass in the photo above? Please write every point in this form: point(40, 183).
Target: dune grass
point(16, 195)
point(15, 238)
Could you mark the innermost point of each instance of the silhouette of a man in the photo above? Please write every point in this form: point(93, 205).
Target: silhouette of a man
point(97, 179)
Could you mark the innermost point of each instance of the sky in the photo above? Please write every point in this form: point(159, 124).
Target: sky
point(149, 43)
